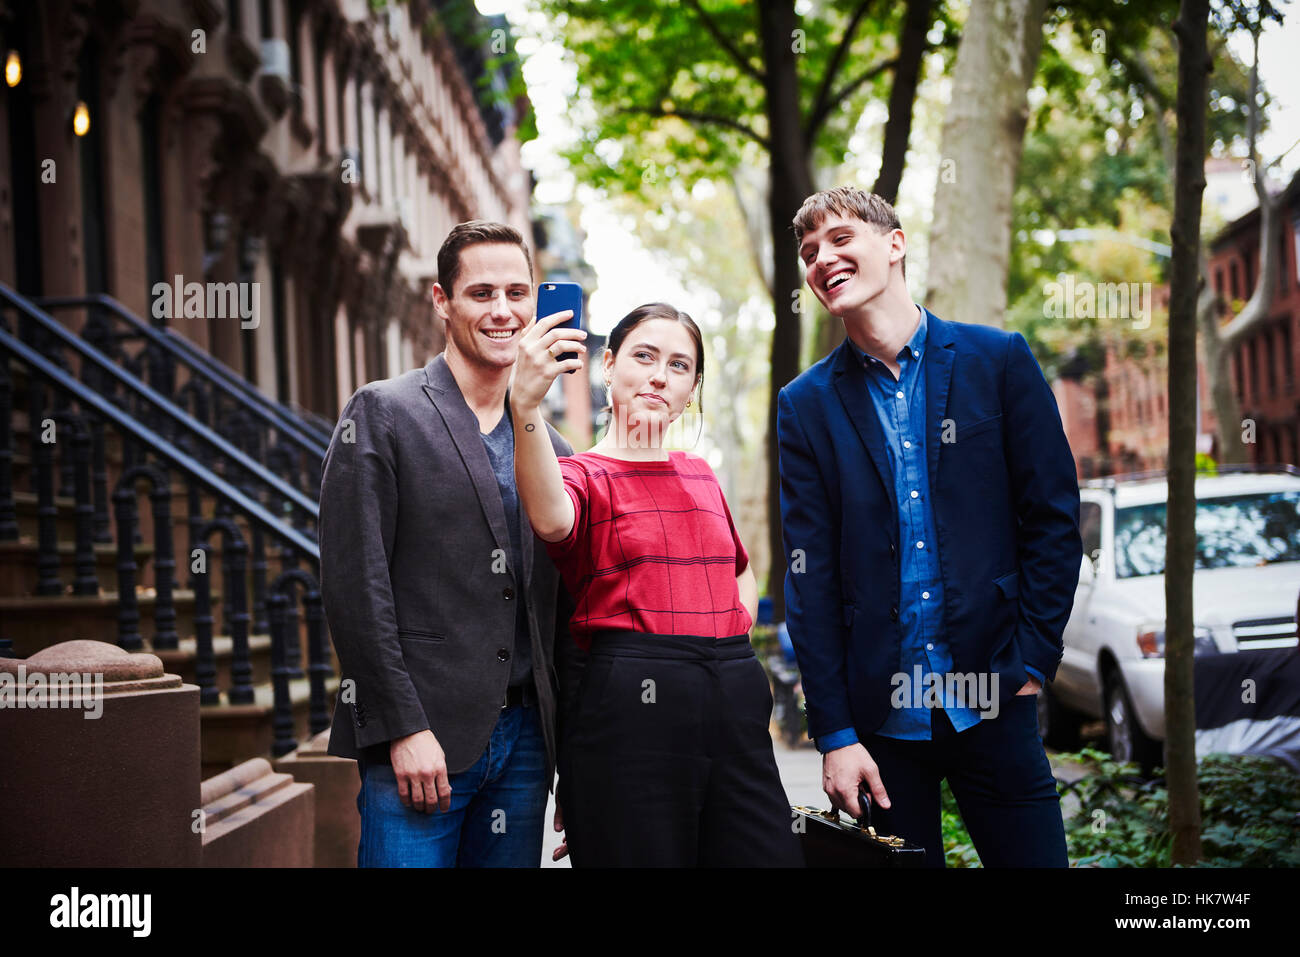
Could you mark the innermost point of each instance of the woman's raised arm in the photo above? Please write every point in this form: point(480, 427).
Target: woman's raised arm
point(537, 472)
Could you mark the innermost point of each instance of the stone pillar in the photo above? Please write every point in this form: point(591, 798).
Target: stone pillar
point(342, 365)
point(329, 90)
point(124, 187)
point(186, 166)
point(338, 824)
point(100, 771)
point(264, 358)
point(251, 22)
point(370, 163)
point(384, 147)
point(62, 252)
point(8, 266)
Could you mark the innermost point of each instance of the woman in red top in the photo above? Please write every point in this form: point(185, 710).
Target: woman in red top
point(665, 756)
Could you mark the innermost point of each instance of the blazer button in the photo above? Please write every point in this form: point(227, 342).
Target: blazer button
point(503, 654)
point(507, 593)
point(893, 613)
point(892, 550)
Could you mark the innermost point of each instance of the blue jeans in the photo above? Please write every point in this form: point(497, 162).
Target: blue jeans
point(497, 807)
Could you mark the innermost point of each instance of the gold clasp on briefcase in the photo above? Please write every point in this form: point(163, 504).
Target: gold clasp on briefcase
point(864, 822)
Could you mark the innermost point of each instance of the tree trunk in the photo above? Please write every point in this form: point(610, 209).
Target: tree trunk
point(983, 133)
point(1180, 545)
point(902, 95)
point(1223, 397)
point(791, 184)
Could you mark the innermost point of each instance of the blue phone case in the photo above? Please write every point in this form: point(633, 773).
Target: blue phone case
point(553, 297)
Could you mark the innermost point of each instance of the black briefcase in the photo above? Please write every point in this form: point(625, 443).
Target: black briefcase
point(829, 842)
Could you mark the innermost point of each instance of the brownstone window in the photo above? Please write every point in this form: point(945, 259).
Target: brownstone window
point(318, 61)
point(234, 16)
point(295, 55)
point(361, 135)
point(1249, 263)
point(1271, 365)
point(340, 87)
point(1288, 361)
point(1254, 367)
point(1283, 267)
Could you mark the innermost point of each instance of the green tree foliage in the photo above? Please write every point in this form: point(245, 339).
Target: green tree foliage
point(690, 91)
point(1093, 160)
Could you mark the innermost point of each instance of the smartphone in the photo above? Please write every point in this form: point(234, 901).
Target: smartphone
point(553, 297)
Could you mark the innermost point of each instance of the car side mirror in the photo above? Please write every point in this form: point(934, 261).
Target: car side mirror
point(1087, 574)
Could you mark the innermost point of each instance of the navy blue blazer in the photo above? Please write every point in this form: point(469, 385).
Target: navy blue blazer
point(1006, 509)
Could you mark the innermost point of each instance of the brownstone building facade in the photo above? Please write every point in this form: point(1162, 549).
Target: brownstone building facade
point(1265, 362)
point(318, 148)
point(1126, 402)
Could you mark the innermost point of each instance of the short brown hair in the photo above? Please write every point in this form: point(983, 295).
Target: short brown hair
point(846, 201)
point(474, 233)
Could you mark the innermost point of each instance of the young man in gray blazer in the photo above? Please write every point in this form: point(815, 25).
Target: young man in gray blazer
point(441, 608)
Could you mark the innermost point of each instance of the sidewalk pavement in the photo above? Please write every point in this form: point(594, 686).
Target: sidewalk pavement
point(801, 773)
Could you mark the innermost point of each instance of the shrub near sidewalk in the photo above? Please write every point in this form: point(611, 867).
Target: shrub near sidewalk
point(1250, 814)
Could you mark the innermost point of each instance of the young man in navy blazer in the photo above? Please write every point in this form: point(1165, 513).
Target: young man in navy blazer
point(930, 512)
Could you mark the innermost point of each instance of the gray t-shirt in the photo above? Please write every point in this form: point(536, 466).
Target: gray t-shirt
point(500, 444)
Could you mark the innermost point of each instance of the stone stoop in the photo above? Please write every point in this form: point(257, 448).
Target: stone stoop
point(338, 823)
point(113, 785)
point(255, 817)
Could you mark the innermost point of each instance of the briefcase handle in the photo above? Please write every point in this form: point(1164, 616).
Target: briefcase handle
point(864, 799)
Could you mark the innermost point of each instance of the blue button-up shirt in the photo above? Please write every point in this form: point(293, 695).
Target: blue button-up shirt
point(900, 407)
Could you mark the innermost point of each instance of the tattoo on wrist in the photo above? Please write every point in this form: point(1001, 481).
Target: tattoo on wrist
point(528, 427)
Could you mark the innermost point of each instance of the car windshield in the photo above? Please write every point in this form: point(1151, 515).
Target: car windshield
point(1237, 531)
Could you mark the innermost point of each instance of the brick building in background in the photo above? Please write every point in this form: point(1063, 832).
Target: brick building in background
point(1128, 405)
point(316, 147)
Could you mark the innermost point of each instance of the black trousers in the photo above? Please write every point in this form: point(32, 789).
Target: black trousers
point(999, 775)
point(667, 761)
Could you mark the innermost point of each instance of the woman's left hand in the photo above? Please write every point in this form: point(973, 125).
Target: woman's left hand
point(558, 823)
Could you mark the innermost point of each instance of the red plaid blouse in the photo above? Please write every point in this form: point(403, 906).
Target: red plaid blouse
point(653, 549)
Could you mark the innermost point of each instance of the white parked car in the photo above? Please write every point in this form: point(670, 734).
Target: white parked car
point(1245, 592)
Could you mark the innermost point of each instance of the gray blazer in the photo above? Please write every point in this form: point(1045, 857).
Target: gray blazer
point(411, 522)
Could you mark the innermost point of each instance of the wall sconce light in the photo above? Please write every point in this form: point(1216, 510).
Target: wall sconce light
point(13, 69)
point(81, 119)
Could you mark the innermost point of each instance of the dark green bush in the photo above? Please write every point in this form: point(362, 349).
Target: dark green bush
point(1250, 815)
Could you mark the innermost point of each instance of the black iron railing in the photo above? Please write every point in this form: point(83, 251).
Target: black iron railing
point(177, 369)
point(71, 390)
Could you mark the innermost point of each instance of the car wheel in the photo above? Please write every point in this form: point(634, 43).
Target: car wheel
point(1058, 726)
point(1127, 742)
